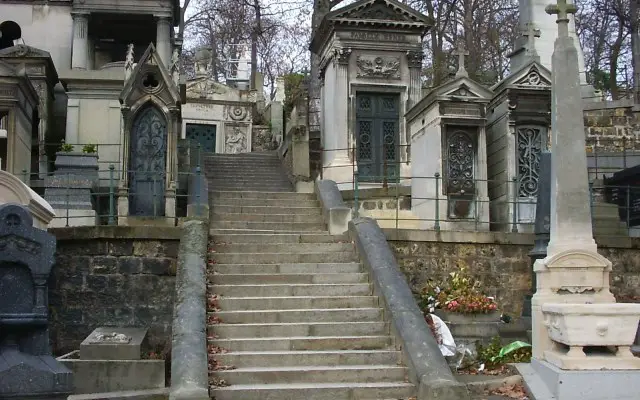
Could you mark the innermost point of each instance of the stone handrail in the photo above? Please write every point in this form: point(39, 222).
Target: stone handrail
point(335, 212)
point(189, 363)
point(428, 368)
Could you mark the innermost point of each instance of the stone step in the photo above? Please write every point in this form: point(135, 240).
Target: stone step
point(284, 188)
point(312, 374)
point(258, 183)
point(271, 218)
point(354, 289)
point(239, 279)
point(261, 195)
point(228, 303)
point(301, 268)
point(310, 329)
point(298, 316)
point(283, 248)
point(237, 209)
point(279, 258)
point(274, 226)
point(316, 391)
point(303, 343)
point(279, 238)
point(303, 358)
point(266, 202)
point(245, 231)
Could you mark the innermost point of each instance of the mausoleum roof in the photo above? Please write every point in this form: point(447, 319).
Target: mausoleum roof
point(22, 52)
point(371, 14)
point(532, 75)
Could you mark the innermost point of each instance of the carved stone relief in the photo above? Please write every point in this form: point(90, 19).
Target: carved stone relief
point(236, 113)
point(235, 140)
point(414, 59)
point(342, 56)
point(378, 67)
point(533, 78)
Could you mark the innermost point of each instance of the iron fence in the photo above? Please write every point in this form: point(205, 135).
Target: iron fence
point(78, 190)
point(491, 204)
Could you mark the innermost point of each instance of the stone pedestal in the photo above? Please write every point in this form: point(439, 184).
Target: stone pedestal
point(110, 360)
point(68, 190)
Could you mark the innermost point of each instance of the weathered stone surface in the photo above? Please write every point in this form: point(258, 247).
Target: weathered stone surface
point(99, 280)
point(189, 364)
point(503, 268)
point(427, 366)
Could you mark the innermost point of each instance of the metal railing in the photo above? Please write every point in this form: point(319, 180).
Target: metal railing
point(86, 189)
point(496, 205)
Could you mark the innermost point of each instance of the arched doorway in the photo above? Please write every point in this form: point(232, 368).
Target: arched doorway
point(9, 31)
point(147, 163)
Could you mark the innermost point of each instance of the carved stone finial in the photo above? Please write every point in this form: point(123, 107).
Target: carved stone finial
point(461, 51)
point(129, 62)
point(562, 9)
point(175, 66)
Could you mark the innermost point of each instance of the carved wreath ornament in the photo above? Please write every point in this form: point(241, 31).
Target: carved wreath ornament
point(378, 67)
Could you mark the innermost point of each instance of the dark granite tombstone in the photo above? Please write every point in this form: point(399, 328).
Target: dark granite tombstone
point(27, 369)
point(542, 225)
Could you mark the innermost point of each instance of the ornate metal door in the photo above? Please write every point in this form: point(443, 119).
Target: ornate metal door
point(377, 125)
point(147, 163)
point(204, 134)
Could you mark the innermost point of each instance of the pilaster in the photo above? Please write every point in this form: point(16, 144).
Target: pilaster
point(80, 45)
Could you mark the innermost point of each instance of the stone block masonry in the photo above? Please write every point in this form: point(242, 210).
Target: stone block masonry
point(500, 260)
point(112, 276)
point(607, 123)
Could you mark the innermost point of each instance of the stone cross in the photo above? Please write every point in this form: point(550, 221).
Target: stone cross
point(531, 33)
point(461, 51)
point(562, 9)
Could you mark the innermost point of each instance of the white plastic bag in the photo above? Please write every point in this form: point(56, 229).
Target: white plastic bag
point(448, 345)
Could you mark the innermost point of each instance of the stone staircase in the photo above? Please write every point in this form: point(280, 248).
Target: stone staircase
point(247, 171)
point(291, 314)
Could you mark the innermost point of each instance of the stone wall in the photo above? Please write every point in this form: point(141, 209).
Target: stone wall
point(607, 123)
point(112, 276)
point(500, 260)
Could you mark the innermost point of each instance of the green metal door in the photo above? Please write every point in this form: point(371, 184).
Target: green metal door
point(377, 125)
point(203, 134)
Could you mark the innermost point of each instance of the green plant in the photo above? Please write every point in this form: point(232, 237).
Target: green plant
point(66, 147)
point(494, 355)
point(458, 293)
point(90, 148)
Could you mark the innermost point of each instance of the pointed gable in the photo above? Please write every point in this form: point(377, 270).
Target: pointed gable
point(150, 78)
point(532, 75)
point(371, 14)
point(458, 91)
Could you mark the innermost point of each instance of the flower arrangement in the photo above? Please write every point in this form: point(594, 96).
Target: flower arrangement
point(458, 293)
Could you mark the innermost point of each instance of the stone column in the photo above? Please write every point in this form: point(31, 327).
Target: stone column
point(341, 101)
point(481, 177)
point(414, 61)
point(163, 40)
point(80, 47)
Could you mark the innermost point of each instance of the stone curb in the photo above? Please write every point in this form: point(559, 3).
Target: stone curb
point(428, 368)
point(335, 212)
point(189, 365)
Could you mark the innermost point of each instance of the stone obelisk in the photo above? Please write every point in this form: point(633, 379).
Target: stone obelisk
point(571, 243)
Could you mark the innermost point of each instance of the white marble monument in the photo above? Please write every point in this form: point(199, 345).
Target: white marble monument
point(581, 338)
point(448, 139)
